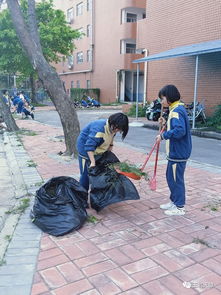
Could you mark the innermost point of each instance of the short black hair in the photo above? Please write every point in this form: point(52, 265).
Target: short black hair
point(120, 121)
point(170, 92)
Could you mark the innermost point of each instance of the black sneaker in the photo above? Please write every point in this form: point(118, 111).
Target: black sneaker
point(32, 115)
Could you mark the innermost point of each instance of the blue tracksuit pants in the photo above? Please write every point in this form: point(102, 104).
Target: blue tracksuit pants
point(20, 107)
point(83, 165)
point(175, 180)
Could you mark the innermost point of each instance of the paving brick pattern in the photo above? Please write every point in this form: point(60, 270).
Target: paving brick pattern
point(134, 248)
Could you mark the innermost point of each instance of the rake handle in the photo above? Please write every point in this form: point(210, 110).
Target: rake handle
point(151, 151)
point(156, 159)
point(158, 144)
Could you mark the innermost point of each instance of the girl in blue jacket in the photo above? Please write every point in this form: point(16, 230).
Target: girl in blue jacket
point(178, 148)
point(95, 139)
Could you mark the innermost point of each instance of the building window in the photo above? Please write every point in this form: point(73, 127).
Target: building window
point(70, 15)
point(78, 85)
point(70, 61)
point(80, 57)
point(79, 8)
point(131, 18)
point(81, 31)
point(88, 30)
point(88, 55)
point(130, 48)
point(72, 84)
point(89, 5)
point(88, 84)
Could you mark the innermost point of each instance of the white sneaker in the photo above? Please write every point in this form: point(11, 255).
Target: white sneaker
point(167, 206)
point(175, 211)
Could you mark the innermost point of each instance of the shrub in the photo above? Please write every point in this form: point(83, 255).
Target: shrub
point(141, 111)
point(215, 119)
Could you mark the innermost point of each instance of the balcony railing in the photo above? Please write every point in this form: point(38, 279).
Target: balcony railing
point(127, 61)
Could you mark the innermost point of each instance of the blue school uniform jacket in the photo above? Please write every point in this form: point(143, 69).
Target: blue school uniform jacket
point(95, 137)
point(178, 136)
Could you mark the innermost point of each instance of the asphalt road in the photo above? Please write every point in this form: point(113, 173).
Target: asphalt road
point(205, 150)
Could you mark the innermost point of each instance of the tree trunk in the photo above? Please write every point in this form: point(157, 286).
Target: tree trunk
point(33, 89)
point(47, 75)
point(7, 116)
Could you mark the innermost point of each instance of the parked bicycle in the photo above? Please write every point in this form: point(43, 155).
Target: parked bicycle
point(200, 115)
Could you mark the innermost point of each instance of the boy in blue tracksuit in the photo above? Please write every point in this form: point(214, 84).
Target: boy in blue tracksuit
point(19, 103)
point(95, 139)
point(178, 148)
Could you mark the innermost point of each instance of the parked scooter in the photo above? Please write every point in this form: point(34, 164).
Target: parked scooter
point(86, 102)
point(93, 102)
point(81, 104)
point(153, 111)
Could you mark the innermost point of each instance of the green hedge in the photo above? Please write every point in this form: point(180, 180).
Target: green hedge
point(141, 111)
point(215, 119)
point(79, 93)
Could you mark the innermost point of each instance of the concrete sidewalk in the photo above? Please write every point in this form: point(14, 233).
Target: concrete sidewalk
point(133, 248)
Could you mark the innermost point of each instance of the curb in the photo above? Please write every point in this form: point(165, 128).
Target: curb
point(19, 253)
point(206, 134)
point(17, 178)
point(10, 221)
point(52, 108)
point(195, 132)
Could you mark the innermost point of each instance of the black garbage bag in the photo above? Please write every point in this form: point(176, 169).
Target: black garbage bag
point(59, 206)
point(108, 186)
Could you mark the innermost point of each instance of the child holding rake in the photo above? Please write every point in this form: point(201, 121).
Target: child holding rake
point(178, 148)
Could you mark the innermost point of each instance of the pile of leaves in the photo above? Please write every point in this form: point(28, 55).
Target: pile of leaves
point(129, 168)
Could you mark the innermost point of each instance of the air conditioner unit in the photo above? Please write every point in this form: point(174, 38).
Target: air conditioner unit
point(139, 51)
point(71, 21)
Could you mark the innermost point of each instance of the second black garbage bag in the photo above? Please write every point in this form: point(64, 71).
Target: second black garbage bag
point(60, 206)
point(108, 186)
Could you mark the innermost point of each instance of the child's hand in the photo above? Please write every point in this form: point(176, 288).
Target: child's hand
point(162, 121)
point(158, 138)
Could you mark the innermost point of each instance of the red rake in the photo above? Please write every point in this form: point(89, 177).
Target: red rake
point(153, 181)
point(132, 175)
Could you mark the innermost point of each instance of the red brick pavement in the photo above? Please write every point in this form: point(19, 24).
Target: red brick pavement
point(134, 249)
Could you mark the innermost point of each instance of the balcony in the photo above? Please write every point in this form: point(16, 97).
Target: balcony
point(128, 30)
point(127, 60)
point(132, 14)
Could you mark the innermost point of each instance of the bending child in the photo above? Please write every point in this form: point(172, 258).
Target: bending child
point(95, 139)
